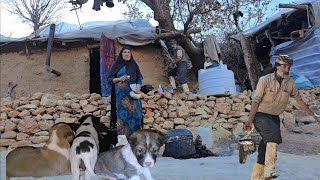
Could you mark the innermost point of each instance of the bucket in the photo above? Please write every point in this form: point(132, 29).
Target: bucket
point(216, 81)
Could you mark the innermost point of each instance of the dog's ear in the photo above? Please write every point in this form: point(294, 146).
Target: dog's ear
point(74, 126)
point(162, 138)
point(133, 140)
point(83, 118)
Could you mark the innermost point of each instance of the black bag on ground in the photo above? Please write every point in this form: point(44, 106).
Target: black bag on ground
point(146, 88)
point(179, 144)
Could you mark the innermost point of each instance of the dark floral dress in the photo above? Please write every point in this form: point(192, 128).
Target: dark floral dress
point(129, 110)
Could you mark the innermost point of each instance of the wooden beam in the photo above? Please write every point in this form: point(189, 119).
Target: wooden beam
point(49, 51)
point(295, 6)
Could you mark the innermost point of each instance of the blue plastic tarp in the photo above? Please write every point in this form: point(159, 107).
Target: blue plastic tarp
point(305, 53)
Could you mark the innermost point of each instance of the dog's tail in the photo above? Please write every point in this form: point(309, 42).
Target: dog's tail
point(87, 162)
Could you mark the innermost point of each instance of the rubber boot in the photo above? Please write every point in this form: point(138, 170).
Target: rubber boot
point(172, 82)
point(185, 88)
point(270, 161)
point(257, 171)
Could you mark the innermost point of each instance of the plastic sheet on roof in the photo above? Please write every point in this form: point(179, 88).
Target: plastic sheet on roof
point(316, 10)
point(305, 53)
point(135, 32)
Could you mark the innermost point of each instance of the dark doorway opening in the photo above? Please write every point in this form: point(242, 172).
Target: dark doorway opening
point(95, 82)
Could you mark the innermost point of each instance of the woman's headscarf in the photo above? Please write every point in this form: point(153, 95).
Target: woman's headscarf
point(132, 67)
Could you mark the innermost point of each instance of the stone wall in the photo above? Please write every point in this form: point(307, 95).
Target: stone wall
point(26, 121)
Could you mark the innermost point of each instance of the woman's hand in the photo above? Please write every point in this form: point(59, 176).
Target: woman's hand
point(124, 78)
point(138, 89)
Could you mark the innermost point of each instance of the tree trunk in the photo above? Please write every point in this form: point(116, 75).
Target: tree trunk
point(161, 11)
point(250, 60)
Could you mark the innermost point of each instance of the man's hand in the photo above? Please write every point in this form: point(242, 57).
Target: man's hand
point(248, 126)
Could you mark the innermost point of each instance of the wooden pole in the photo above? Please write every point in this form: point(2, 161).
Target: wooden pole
point(295, 6)
point(49, 51)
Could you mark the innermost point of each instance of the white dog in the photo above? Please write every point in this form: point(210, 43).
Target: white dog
point(85, 147)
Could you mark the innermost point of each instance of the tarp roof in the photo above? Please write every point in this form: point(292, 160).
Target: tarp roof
point(134, 32)
point(316, 7)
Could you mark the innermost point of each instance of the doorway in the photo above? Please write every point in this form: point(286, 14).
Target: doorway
point(95, 82)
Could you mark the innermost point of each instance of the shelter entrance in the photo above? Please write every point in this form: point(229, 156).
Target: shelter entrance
point(95, 82)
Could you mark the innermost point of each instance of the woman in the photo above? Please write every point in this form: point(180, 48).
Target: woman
point(125, 76)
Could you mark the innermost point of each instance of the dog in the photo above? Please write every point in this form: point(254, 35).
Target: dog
point(92, 137)
point(50, 160)
point(133, 159)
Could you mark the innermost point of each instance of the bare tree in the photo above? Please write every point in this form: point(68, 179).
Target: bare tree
point(180, 17)
point(36, 13)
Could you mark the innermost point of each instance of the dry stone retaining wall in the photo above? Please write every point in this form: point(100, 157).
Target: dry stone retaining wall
point(26, 121)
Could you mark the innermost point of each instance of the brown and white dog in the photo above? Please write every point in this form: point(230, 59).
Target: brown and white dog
point(50, 160)
point(133, 159)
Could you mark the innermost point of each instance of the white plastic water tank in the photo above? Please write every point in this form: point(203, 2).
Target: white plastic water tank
point(216, 81)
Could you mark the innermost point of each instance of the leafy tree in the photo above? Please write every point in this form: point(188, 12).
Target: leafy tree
point(222, 18)
point(36, 13)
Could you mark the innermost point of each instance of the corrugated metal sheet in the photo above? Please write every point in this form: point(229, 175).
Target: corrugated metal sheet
point(305, 53)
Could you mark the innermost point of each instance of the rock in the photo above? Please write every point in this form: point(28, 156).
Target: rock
point(183, 111)
point(46, 117)
point(26, 107)
point(42, 133)
point(178, 121)
point(94, 97)
point(35, 102)
point(63, 109)
point(180, 127)
point(163, 102)
point(288, 121)
point(200, 111)
point(13, 113)
point(172, 102)
point(9, 126)
point(37, 96)
point(51, 110)
point(194, 124)
point(238, 106)
point(173, 114)
point(9, 135)
point(24, 113)
point(221, 133)
point(313, 128)
point(83, 102)
point(39, 110)
point(6, 104)
point(221, 100)
point(69, 96)
point(148, 120)
point(200, 103)
point(22, 136)
point(165, 114)
point(156, 127)
point(7, 142)
point(39, 139)
point(247, 107)
point(28, 126)
point(89, 108)
point(192, 97)
point(22, 143)
point(66, 120)
point(159, 120)
point(168, 125)
point(167, 95)
point(238, 130)
point(49, 100)
point(190, 104)
point(222, 108)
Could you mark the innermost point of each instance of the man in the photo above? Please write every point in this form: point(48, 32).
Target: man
point(181, 60)
point(271, 99)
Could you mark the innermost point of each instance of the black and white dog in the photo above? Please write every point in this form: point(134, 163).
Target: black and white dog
point(133, 159)
point(92, 137)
